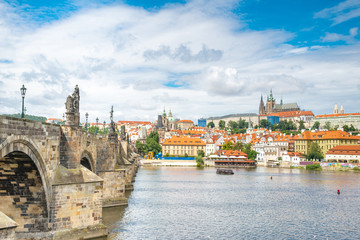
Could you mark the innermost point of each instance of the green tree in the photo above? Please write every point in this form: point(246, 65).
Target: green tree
point(155, 136)
point(211, 125)
point(199, 161)
point(140, 147)
point(314, 151)
point(237, 146)
point(265, 123)
point(301, 125)
point(152, 146)
point(275, 127)
point(316, 126)
point(152, 143)
point(286, 125)
point(352, 128)
point(346, 128)
point(227, 146)
point(222, 124)
point(242, 124)
point(251, 153)
point(233, 125)
point(327, 126)
point(201, 153)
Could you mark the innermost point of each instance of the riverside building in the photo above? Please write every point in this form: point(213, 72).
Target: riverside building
point(325, 139)
point(183, 146)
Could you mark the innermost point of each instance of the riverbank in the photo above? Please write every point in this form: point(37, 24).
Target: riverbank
point(192, 163)
point(175, 163)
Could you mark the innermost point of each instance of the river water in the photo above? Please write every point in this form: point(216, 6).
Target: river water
point(191, 203)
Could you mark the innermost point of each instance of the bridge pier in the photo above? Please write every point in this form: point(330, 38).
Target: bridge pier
point(114, 188)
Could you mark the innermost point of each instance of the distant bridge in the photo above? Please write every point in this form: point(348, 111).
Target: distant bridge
point(55, 179)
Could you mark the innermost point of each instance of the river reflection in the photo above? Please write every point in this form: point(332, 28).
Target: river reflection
point(191, 203)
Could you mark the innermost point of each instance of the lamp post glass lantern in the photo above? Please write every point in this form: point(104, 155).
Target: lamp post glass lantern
point(23, 92)
point(104, 126)
point(86, 124)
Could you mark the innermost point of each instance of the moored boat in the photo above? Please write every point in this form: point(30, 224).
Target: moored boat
point(224, 171)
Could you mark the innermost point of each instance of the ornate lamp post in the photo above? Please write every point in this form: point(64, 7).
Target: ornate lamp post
point(86, 124)
point(97, 121)
point(23, 91)
point(104, 126)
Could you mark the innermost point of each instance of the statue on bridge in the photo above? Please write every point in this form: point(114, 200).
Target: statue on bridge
point(72, 106)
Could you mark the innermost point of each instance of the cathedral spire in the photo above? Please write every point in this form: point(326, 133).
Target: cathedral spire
point(261, 106)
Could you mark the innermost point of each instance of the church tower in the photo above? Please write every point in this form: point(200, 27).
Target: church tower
point(270, 103)
point(341, 109)
point(164, 120)
point(261, 107)
point(336, 110)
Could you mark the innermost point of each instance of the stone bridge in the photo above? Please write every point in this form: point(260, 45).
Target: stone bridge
point(55, 179)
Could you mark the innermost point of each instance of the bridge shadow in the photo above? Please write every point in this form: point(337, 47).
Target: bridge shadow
point(22, 193)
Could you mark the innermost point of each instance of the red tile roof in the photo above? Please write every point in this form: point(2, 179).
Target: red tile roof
point(338, 134)
point(337, 115)
point(186, 121)
point(229, 153)
point(345, 150)
point(291, 114)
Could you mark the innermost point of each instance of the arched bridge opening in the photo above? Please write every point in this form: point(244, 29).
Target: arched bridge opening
point(86, 163)
point(22, 194)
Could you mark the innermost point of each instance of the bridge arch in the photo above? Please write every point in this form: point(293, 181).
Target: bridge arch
point(88, 161)
point(25, 184)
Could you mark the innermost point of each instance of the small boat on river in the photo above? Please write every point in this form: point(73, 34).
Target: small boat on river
point(224, 171)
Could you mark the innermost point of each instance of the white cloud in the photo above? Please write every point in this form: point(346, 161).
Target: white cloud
point(335, 37)
point(342, 12)
point(126, 57)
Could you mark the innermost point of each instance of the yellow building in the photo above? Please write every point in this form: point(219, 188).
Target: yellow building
point(182, 145)
point(325, 139)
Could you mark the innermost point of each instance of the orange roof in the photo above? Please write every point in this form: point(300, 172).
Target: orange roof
point(186, 121)
point(345, 150)
point(181, 140)
point(291, 114)
point(299, 154)
point(337, 134)
point(282, 138)
point(133, 122)
point(337, 115)
point(229, 153)
point(193, 132)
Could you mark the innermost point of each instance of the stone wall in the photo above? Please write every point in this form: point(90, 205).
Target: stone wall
point(114, 187)
point(77, 199)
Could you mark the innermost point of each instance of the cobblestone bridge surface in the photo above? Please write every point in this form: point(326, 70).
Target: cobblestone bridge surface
point(55, 180)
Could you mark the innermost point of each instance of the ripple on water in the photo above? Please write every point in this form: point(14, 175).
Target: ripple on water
point(185, 203)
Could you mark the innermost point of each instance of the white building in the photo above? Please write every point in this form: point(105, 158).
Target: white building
point(344, 154)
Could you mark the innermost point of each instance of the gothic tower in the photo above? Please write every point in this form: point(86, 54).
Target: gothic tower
point(270, 103)
point(341, 109)
point(336, 110)
point(261, 107)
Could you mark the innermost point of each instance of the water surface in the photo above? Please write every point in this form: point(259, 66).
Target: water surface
point(188, 203)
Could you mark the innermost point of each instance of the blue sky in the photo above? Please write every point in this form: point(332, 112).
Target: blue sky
point(199, 58)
